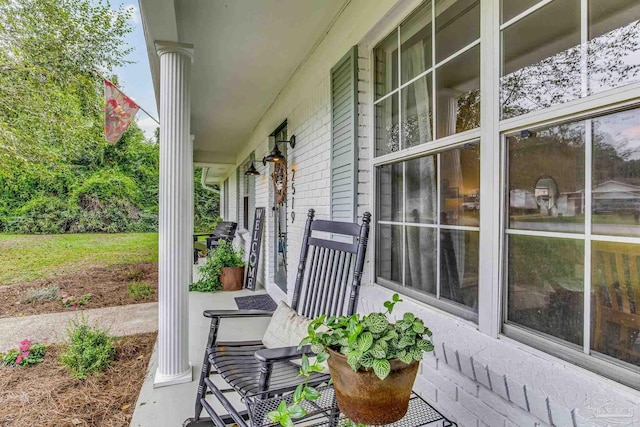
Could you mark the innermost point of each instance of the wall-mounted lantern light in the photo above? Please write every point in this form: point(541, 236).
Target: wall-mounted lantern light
point(252, 170)
point(276, 155)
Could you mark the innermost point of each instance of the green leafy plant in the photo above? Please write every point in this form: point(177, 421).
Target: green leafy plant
point(139, 291)
point(48, 293)
point(225, 255)
point(285, 414)
point(90, 349)
point(369, 342)
point(27, 353)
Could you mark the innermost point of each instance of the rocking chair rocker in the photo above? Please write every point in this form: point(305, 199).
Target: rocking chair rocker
point(327, 282)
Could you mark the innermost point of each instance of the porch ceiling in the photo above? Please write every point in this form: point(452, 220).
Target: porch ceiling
point(245, 52)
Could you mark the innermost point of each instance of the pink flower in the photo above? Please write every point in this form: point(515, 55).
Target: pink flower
point(24, 347)
point(74, 303)
point(25, 354)
point(18, 359)
point(45, 339)
point(25, 341)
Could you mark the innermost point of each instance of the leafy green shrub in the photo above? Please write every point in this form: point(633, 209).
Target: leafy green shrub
point(139, 291)
point(42, 215)
point(147, 221)
point(27, 353)
point(49, 293)
point(112, 216)
point(106, 185)
point(225, 255)
point(90, 349)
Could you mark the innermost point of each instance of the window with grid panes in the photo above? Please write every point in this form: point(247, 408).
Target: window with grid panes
point(572, 196)
point(427, 87)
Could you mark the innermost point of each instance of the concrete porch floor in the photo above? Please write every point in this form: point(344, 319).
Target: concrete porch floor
point(171, 406)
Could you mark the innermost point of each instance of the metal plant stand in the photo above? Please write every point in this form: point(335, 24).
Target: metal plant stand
point(324, 412)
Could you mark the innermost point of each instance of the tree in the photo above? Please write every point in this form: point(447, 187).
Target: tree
point(50, 97)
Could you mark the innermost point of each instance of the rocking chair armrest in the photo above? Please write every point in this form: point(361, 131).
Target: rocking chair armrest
point(282, 354)
point(221, 314)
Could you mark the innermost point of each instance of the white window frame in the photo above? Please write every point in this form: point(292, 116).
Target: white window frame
point(438, 145)
point(493, 216)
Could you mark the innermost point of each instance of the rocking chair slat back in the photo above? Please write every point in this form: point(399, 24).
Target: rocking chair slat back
point(330, 269)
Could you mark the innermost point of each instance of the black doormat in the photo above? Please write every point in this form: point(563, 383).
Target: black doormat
point(256, 302)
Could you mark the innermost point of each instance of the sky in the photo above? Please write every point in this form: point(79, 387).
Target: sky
point(135, 79)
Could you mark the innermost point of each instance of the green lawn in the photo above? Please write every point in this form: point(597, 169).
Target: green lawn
point(30, 257)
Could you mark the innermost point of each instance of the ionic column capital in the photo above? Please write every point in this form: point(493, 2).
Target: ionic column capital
point(163, 47)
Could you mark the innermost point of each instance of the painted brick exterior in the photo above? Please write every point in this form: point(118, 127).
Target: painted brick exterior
point(475, 379)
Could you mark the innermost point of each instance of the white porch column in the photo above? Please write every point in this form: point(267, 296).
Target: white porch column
point(175, 222)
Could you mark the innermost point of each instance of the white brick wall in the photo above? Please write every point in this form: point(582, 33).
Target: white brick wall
point(480, 381)
point(310, 121)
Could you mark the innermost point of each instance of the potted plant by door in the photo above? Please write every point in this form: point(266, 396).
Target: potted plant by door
point(223, 270)
point(373, 363)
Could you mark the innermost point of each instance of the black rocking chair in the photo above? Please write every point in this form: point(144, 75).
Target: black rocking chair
point(327, 282)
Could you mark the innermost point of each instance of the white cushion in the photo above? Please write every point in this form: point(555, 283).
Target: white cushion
point(287, 328)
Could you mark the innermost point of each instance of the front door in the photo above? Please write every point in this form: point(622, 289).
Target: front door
point(279, 183)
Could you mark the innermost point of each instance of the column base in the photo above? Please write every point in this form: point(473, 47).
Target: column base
point(161, 380)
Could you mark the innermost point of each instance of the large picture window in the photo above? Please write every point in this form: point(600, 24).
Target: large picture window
point(573, 235)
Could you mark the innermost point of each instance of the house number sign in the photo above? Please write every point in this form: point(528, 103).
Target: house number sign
point(254, 250)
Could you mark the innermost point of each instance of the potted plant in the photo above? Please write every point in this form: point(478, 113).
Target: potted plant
point(224, 269)
point(373, 363)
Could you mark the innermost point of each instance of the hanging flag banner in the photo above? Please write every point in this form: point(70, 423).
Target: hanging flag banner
point(119, 111)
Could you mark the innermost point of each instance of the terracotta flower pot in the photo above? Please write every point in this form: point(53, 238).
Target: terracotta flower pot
point(364, 398)
point(232, 278)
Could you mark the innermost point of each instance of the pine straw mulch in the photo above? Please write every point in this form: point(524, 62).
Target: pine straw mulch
point(46, 395)
point(108, 287)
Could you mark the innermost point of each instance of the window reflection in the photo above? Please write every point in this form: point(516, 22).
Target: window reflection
point(420, 262)
point(616, 174)
point(545, 285)
point(546, 179)
point(390, 192)
point(511, 8)
point(615, 285)
point(457, 25)
point(458, 91)
point(541, 68)
point(387, 130)
point(416, 39)
point(386, 65)
point(545, 68)
point(459, 267)
point(614, 44)
point(417, 112)
point(421, 203)
point(460, 186)
point(451, 178)
point(389, 252)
